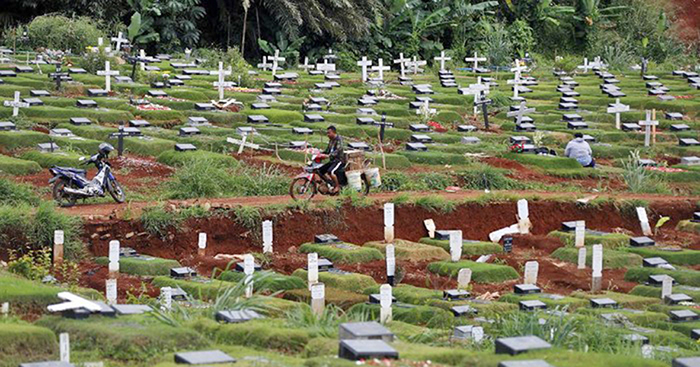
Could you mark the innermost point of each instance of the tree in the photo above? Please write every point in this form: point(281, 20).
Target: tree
point(172, 22)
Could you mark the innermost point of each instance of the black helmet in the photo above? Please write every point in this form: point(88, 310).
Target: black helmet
point(105, 148)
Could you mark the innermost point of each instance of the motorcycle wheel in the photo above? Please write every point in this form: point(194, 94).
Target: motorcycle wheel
point(115, 189)
point(302, 189)
point(61, 198)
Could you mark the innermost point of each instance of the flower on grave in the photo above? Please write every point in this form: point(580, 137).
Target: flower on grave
point(517, 148)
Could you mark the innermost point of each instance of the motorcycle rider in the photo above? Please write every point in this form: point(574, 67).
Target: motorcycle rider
point(336, 158)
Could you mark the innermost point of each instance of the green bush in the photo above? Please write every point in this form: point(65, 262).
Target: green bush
point(16, 194)
point(143, 266)
point(468, 248)
point(350, 282)
point(344, 253)
point(61, 33)
point(481, 272)
point(612, 260)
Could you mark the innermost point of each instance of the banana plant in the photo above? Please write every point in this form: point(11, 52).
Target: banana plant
point(287, 49)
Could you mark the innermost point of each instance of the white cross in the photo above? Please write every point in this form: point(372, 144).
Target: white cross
point(188, 52)
point(416, 64)
point(119, 40)
point(520, 113)
point(616, 108)
point(221, 83)
point(142, 56)
point(475, 60)
point(402, 63)
point(381, 68)
point(107, 72)
point(516, 82)
point(275, 60)
point(585, 65)
point(325, 67)
point(16, 104)
point(477, 89)
point(306, 65)
point(442, 59)
point(364, 63)
point(425, 109)
point(648, 123)
point(264, 65)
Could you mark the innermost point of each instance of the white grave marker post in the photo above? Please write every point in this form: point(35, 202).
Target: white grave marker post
point(119, 40)
point(111, 291)
point(64, 347)
point(531, 270)
point(16, 104)
point(276, 59)
point(58, 240)
point(464, 277)
point(267, 236)
point(455, 245)
point(166, 298)
point(666, 287)
point(644, 221)
point(381, 68)
point(582, 258)
point(388, 222)
point(108, 73)
point(385, 297)
point(580, 233)
point(597, 265)
point(390, 264)
point(430, 226)
point(648, 123)
point(306, 65)
point(188, 53)
point(142, 56)
point(475, 60)
point(248, 269)
point(318, 298)
point(312, 269)
point(113, 259)
point(202, 244)
point(524, 223)
point(5, 309)
point(477, 334)
point(221, 83)
point(364, 63)
point(402, 64)
point(617, 108)
point(442, 58)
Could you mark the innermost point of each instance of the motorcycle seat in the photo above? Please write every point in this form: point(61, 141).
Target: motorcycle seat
point(71, 169)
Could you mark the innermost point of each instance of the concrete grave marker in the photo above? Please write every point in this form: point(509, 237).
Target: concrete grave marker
point(580, 233)
point(5, 309)
point(58, 241)
point(108, 73)
point(388, 222)
point(385, 300)
point(464, 277)
point(364, 63)
point(318, 298)
point(64, 341)
point(666, 287)
point(202, 244)
point(477, 334)
point(617, 108)
point(390, 264)
point(597, 266)
point(649, 128)
point(531, 270)
point(455, 245)
point(524, 223)
point(111, 291)
point(221, 83)
point(402, 64)
point(267, 236)
point(113, 258)
point(442, 58)
point(166, 298)
point(312, 268)
point(644, 221)
point(381, 68)
point(430, 226)
point(582, 258)
point(248, 269)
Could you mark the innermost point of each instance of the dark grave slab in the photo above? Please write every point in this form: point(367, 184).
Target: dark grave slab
point(197, 120)
point(656, 92)
point(420, 138)
point(416, 147)
point(61, 132)
point(127, 252)
point(632, 126)
point(455, 294)
point(319, 100)
point(271, 91)
point(636, 338)
point(151, 68)
point(375, 299)
point(449, 84)
point(615, 94)
point(463, 310)
point(470, 140)
point(266, 98)
point(405, 79)
point(315, 72)
point(520, 140)
point(529, 149)
point(568, 226)
point(568, 117)
point(359, 146)
point(419, 127)
point(245, 130)
point(273, 85)
point(139, 123)
point(695, 334)
point(568, 100)
point(180, 65)
point(313, 118)
point(528, 363)
point(39, 93)
point(366, 111)
point(650, 77)
point(691, 74)
point(313, 107)
point(652, 262)
point(365, 121)
point(325, 86)
point(237, 316)
point(424, 91)
point(532, 305)
point(47, 364)
point(48, 147)
point(415, 105)
point(204, 106)
point(641, 241)
point(589, 139)
point(203, 357)
point(183, 77)
point(7, 74)
point(163, 57)
point(653, 85)
point(442, 235)
point(332, 77)
point(677, 298)
point(577, 125)
point(603, 303)
point(176, 82)
point(333, 84)
point(525, 127)
point(86, 103)
point(680, 127)
point(520, 344)
point(183, 272)
point(132, 131)
point(525, 119)
point(299, 145)
point(696, 217)
point(366, 349)
point(326, 238)
point(23, 69)
point(195, 72)
point(686, 362)
point(76, 314)
point(260, 106)
point(688, 142)
point(302, 131)
point(7, 126)
point(159, 85)
point(157, 93)
point(666, 98)
point(466, 128)
point(364, 331)
point(568, 106)
point(33, 101)
point(571, 83)
point(678, 73)
point(683, 315)
point(77, 71)
point(611, 81)
point(526, 289)
point(123, 79)
point(185, 147)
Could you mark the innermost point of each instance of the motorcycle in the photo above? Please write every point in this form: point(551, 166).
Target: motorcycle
point(307, 184)
point(70, 184)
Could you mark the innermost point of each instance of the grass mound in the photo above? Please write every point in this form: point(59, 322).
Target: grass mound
point(144, 266)
point(20, 342)
point(412, 251)
point(17, 167)
point(635, 301)
point(611, 260)
point(179, 159)
point(52, 159)
point(420, 315)
point(683, 257)
point(481, 272)
point(685, 277)
point(475, 248)
point(688, 226)
point(271, 281)
point(344, 253)
point(655, 292)
point(349, 282)
point(263, 334)
point(609, 240)
point(571, 302)
point(341, 298)
point(407, 293)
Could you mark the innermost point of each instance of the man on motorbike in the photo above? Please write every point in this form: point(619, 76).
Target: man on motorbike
point(336, 158)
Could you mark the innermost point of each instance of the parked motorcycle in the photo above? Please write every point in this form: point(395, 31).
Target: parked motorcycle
point(307, 184)
point(70, 184)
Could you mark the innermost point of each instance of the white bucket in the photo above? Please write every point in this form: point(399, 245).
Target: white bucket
point(354, 180)
point(375, 180)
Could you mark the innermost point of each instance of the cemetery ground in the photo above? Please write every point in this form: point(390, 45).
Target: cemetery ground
point(600, 266)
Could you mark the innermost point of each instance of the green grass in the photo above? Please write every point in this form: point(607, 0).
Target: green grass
point(688, 226)
point(47, 160)
point(338, 297)
point(434, 158)
point(11, 140)
point(481, 272)
point(411, 251)
point(609, 241)
point(143, 266)
point(432, 317)
point(684, 257)
point(21, 342)
point(17, 167)
point(682, 276)
point(655, 292)
point(350, 282)
point(468, 248)
point(571, 303)
point(636, 301)
point(263, 334)
point(344, 253)
point(612, 259)
point(179, 159)
point(272, 281)
point(407, 293)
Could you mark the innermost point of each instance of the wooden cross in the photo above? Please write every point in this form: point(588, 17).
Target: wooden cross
point(265, 64)
point(585, 65)
point(16, 104)
point(107, 72)
point(306, 65)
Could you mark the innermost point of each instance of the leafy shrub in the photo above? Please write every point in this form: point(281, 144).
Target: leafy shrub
point(62, 33)
point(92, 62)
point(485, 177)
point(231, 57)
point(15, 194)
point(158, 221)
point(640, 180)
